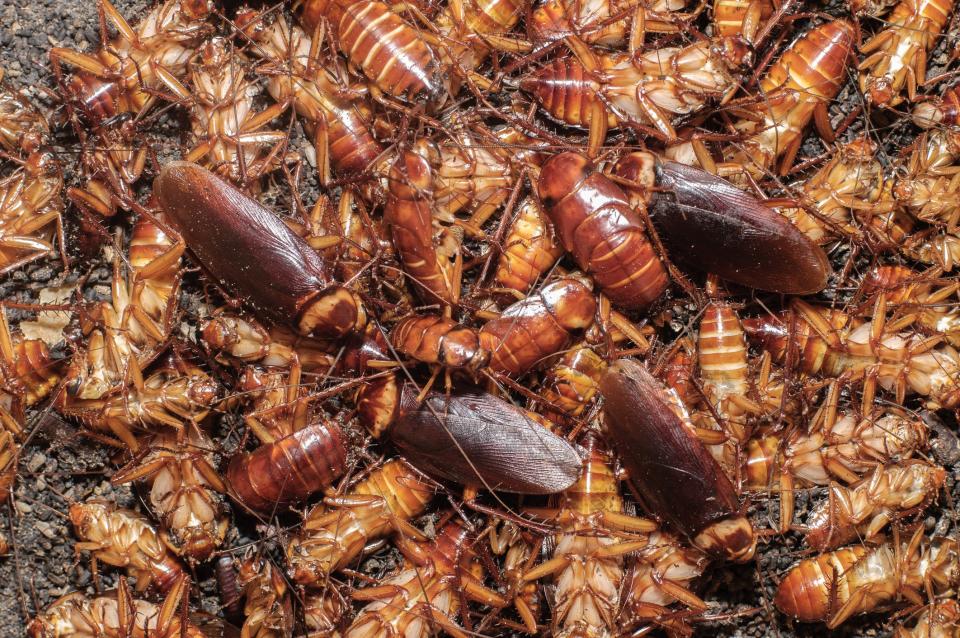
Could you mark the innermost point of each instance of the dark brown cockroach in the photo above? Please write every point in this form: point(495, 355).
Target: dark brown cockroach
point(531, 331)
point(709, 224)
point(251, 252)
point(290, 469)
point(671, 469)
point(231, 596)
point(474, 438)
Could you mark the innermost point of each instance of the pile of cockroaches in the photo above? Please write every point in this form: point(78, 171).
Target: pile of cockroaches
point(471, 347)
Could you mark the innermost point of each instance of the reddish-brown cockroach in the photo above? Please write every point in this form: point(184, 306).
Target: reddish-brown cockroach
point(588, 562)
point(440, 341)
point(796, 89)
point(130, 329)
point(269, 602)
point(240, 340)
point(251, 252)
point(709, 224)
point(231, 594)
point(531, 331)
point(23, 128)
point(571, 383)
point(408, 212)
point(599, 92)
point(426, 592)
point(124, 538)
point(335, 533)
point(897, 55)
point(852, 181)
point(833, 587)
point(529, 250)
point(112, 167)
point(476, 439)
point(338, 128)
point(938, 111)
point(31, 203)
point(833, 343)
point(863, 510)
point(389, 52)
point(186, 491)
point(940, 619)
point(678, 479)
point(126, 75)
point(116, 616)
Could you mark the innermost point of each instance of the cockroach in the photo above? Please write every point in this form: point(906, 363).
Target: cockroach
point(9, 455)
point(470, 29)
point(112, 166)
point(572, 382)
point(126, 75)
point(440, 341)
point(833, 587)
point(339, 128)
point(678, 479)
point(229, 136)
point(116, 616)
point(923, 293)
point(851, 181)
point(239, 340)
point(796, 89)
point(186, 491)
point(231, 594)
point(129, 329)
point(707, 223)
point(324, 612)
point(832, 343)
point(336, 532)
point(517, 548)
point(939, 619)
point(588, 562)
point(896, 57)
point(427, 590)
point(529, 250)
point(251, 252)
point(599, 92)
point(23, 128)
point(938, 111)
point(31, 205)
point(531, 331)
point(606, 23)
point(596, 224)
point(740, 18)
point(863, 510)
point(408, 213)
point(123, 538)
point(390, 52)
point(269, 601)
point(476, 439)
point(289, 469)
point(28, 370)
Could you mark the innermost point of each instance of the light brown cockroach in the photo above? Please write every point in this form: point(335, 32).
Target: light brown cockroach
point(517, 549)
point(832, 343)
point(605, 91)
point(23, 128)
point(427, 594)
point(269, 602)
point(336, 532)
point(797, 88)
point(851, 181)
point(896, 57)
point(588, 562)
point(324, 612)
point(117, 616)
point(862, 510)
point(240, 340)
point(130, 329)
point(440, 342)
point(124, 538)
point(229, 136)
point(112, 166)
point(663, 573)
point(338, 127)
point(938, 111)
point(740, 18)
point(833, 587)
point(129, 72)
point(571, 383)
point(924, 294)
point(28, 371)
point(31, 204)
point(927, 186)
point(939, 619)
point(186, 491)
point(529, 250)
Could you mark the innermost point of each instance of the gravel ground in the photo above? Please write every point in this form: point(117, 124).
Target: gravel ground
point(59, 467)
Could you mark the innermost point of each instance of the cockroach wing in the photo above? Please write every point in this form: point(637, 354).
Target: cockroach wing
point(672, 471)
point(251, 252)
point(708, 223)
point(477, 439)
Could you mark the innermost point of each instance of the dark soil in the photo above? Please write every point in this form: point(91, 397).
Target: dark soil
point(59, 467)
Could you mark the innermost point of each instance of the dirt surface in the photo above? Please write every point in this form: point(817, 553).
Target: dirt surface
point(59, 467)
